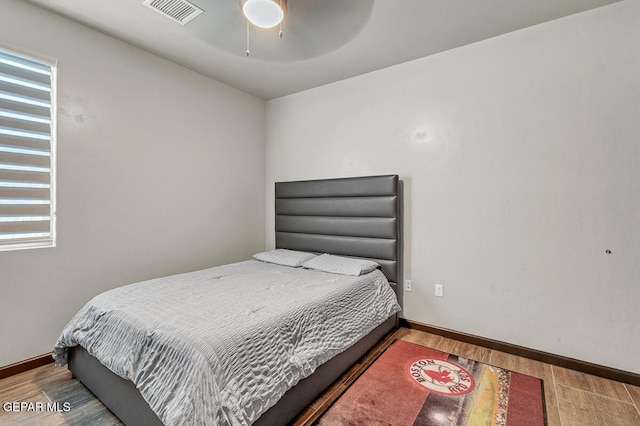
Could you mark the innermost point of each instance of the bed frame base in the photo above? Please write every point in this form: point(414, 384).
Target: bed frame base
point(125, 401)
point(117, 394)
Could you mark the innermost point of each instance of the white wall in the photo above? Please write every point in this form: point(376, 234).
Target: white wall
point(160, 170)
point(521, 163)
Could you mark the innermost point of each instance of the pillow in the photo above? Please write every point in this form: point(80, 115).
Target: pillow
point(284, 257)
point(340, 265)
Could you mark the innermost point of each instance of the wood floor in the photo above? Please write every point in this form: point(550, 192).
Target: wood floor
point(572, 398)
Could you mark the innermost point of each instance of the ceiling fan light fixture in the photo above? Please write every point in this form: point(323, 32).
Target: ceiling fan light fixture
point(263, 13)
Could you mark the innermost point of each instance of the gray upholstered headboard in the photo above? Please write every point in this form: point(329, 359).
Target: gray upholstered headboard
point(357, 217)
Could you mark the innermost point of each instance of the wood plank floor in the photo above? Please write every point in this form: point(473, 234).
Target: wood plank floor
point(572, 398)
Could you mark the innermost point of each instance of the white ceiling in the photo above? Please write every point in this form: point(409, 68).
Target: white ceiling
point(324, 40)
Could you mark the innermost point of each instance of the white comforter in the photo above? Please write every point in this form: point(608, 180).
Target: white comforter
point(222, 345)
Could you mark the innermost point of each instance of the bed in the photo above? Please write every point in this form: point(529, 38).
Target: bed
point(355, 217)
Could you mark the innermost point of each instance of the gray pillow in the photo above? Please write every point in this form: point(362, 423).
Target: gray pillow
point(284, 257)
point(340, 265)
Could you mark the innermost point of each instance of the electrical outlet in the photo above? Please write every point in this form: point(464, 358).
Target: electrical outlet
point(407, 285)
point(439, 290)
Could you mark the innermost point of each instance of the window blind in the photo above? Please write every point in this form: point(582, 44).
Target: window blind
point(27, 197)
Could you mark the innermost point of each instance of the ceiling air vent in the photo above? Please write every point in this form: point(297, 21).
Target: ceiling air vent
point(180, 11)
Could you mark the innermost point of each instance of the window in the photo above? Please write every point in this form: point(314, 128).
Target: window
point(27, 153)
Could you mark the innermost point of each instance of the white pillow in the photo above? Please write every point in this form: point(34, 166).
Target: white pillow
point(340, 265)
point(284, 257)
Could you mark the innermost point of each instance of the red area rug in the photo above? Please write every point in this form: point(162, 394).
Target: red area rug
point(414, 385)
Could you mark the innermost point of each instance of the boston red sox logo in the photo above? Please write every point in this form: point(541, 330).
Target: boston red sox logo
point(442, 377)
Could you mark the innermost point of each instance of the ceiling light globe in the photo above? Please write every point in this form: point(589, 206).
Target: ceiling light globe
point(263, 13)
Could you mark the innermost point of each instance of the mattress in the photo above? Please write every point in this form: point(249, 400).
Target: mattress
point(222, 345)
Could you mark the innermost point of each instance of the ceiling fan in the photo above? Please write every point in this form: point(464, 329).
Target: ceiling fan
point(271, 30)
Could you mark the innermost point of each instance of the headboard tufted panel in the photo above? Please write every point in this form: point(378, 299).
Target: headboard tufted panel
point(357, 217)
